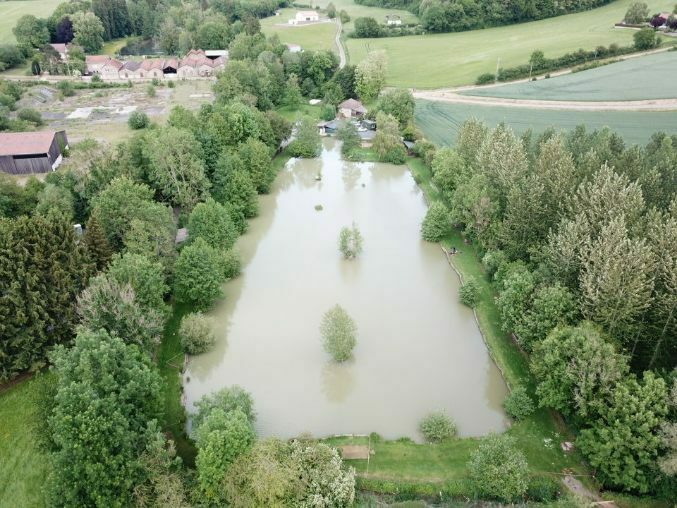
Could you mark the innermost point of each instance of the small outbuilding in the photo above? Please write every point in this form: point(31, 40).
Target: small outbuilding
point(352, 108)
point(24, 153)
point(393, 20)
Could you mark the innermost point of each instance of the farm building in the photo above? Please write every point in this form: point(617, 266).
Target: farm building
point(393, 20)
point(94, 63)
point(23, 153)
point(294, 48)
point(62, 49)
point(196, 63)
point(351, 108)
point(305, 17)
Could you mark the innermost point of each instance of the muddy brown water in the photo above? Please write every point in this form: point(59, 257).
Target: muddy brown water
point(418, 349)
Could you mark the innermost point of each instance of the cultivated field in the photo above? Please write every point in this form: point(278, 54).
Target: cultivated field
point(12, 10)
point(648, 77)
point(440, 121)
point(314, 36)
point(432, 61)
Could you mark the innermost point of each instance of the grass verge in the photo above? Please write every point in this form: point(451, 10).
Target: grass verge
point(23, 465)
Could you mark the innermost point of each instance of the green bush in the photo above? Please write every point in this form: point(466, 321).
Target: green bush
point(543, 489)
point(232, 264)
point(66, 88)
point(437, 427)
point(196, 333)
point(518, 404)
point(30, 115)
point(485, 79)
point(645, 39)
point(96, 79)
point(338, 331)
point(150, 91)
point(469, 293)
point(171, 84)
point(397, 155)
point(436, 223)
point(498, 469)
point(138, 120)
point(328, 112)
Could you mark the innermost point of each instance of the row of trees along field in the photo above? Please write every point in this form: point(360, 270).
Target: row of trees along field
point(178, 27)
point(579, 236)
point(460, 15)
point(95, 306)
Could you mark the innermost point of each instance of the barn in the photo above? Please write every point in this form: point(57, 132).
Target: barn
point(23, 153)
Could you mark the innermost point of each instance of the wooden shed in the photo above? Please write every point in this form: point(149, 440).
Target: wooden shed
point(23, 153)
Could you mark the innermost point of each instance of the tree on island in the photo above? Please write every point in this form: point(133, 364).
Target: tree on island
point(350, 242)
point(338, 332)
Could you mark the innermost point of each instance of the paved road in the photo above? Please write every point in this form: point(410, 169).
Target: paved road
point(339, 44)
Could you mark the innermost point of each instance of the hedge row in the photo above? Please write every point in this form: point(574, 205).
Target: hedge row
point(551, 64)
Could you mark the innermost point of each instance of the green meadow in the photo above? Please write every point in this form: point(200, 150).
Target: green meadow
point(12, 10)
point(433, 61)
point(647, 77)
point(440, 122)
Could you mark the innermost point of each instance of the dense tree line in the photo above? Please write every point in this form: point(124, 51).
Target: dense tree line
point(95, 305)
point(579, 235)
point(460, 15)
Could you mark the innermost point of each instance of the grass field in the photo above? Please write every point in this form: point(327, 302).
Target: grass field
point(358, 11)
point(440, 121)
point(647, 77)
point(432, 61)
point(12, 10)
point(312, 37)
point(23, 466)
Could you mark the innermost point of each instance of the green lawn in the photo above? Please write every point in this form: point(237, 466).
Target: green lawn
point(647, 77)
point(441, 121)
point(311, 37)
point(431, 61)
point(359, 11)
point(23, 466)
point(12, 10)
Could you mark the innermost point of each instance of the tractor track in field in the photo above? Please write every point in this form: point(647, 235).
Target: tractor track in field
point(455, 98)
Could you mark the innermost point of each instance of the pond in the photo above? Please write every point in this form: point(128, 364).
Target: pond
point(418, 349)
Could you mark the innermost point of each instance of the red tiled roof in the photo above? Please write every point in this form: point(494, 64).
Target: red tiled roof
point(25, 143)
point(115, 63)
point(59, 47)
point(97, 58)
point(353, 105)
point(151, 63)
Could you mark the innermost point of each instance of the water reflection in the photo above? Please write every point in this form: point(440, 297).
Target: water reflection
point(338, 380)
point(418, 349)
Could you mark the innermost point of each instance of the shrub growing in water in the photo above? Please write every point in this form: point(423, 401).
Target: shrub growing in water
point(151, 91)
point(66, 88)
point(338, 332)
point(469, 292)
point(436, 223)
point(518, 404)
point(196, 333)
point(232, 264)
point(350, 242)
point(437, 427)
point(138, 120)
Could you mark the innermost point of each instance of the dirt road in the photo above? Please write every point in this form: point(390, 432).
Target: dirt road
point(455, 98)
point(339, 44)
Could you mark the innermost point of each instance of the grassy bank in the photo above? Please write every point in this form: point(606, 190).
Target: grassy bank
point(23, 465)
point(438, 60)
